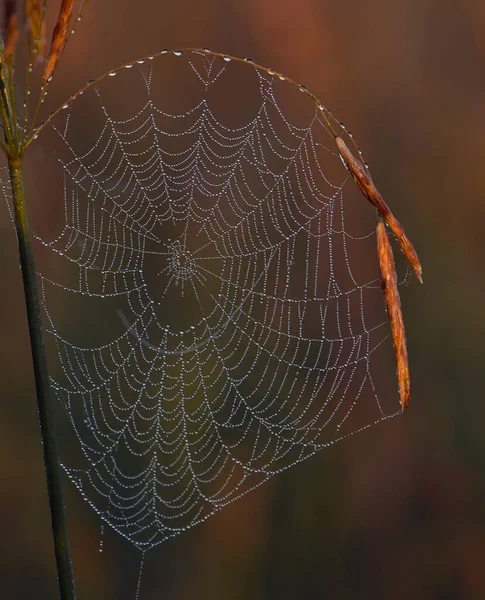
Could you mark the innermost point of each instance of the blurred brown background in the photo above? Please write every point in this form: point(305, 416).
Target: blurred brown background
point(399, 510)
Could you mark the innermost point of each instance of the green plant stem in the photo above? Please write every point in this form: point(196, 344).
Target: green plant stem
point(51, 456)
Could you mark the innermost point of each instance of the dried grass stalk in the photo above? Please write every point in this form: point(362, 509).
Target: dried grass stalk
point(393, 303)
point(34, 17)
point(367, 187)
point(59, 38)
point(12, 35)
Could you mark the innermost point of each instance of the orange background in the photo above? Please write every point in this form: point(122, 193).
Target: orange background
point(397, 511)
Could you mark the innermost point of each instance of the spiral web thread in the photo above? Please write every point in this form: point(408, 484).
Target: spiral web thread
point(210, 307)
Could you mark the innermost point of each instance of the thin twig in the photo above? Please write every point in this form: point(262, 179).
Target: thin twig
point(364, 182)
point(35, 17)
point(49, 444)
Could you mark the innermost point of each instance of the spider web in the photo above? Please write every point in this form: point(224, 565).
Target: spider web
point(212, 303)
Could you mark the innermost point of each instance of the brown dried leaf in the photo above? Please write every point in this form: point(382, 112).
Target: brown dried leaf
point(12, 35)
point(59, 38)
point(393, 303)
point(364, 182)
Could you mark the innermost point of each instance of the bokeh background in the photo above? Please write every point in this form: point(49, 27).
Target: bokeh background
point(399, 510)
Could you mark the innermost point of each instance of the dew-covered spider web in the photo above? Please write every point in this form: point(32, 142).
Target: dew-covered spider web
point(210, 288)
